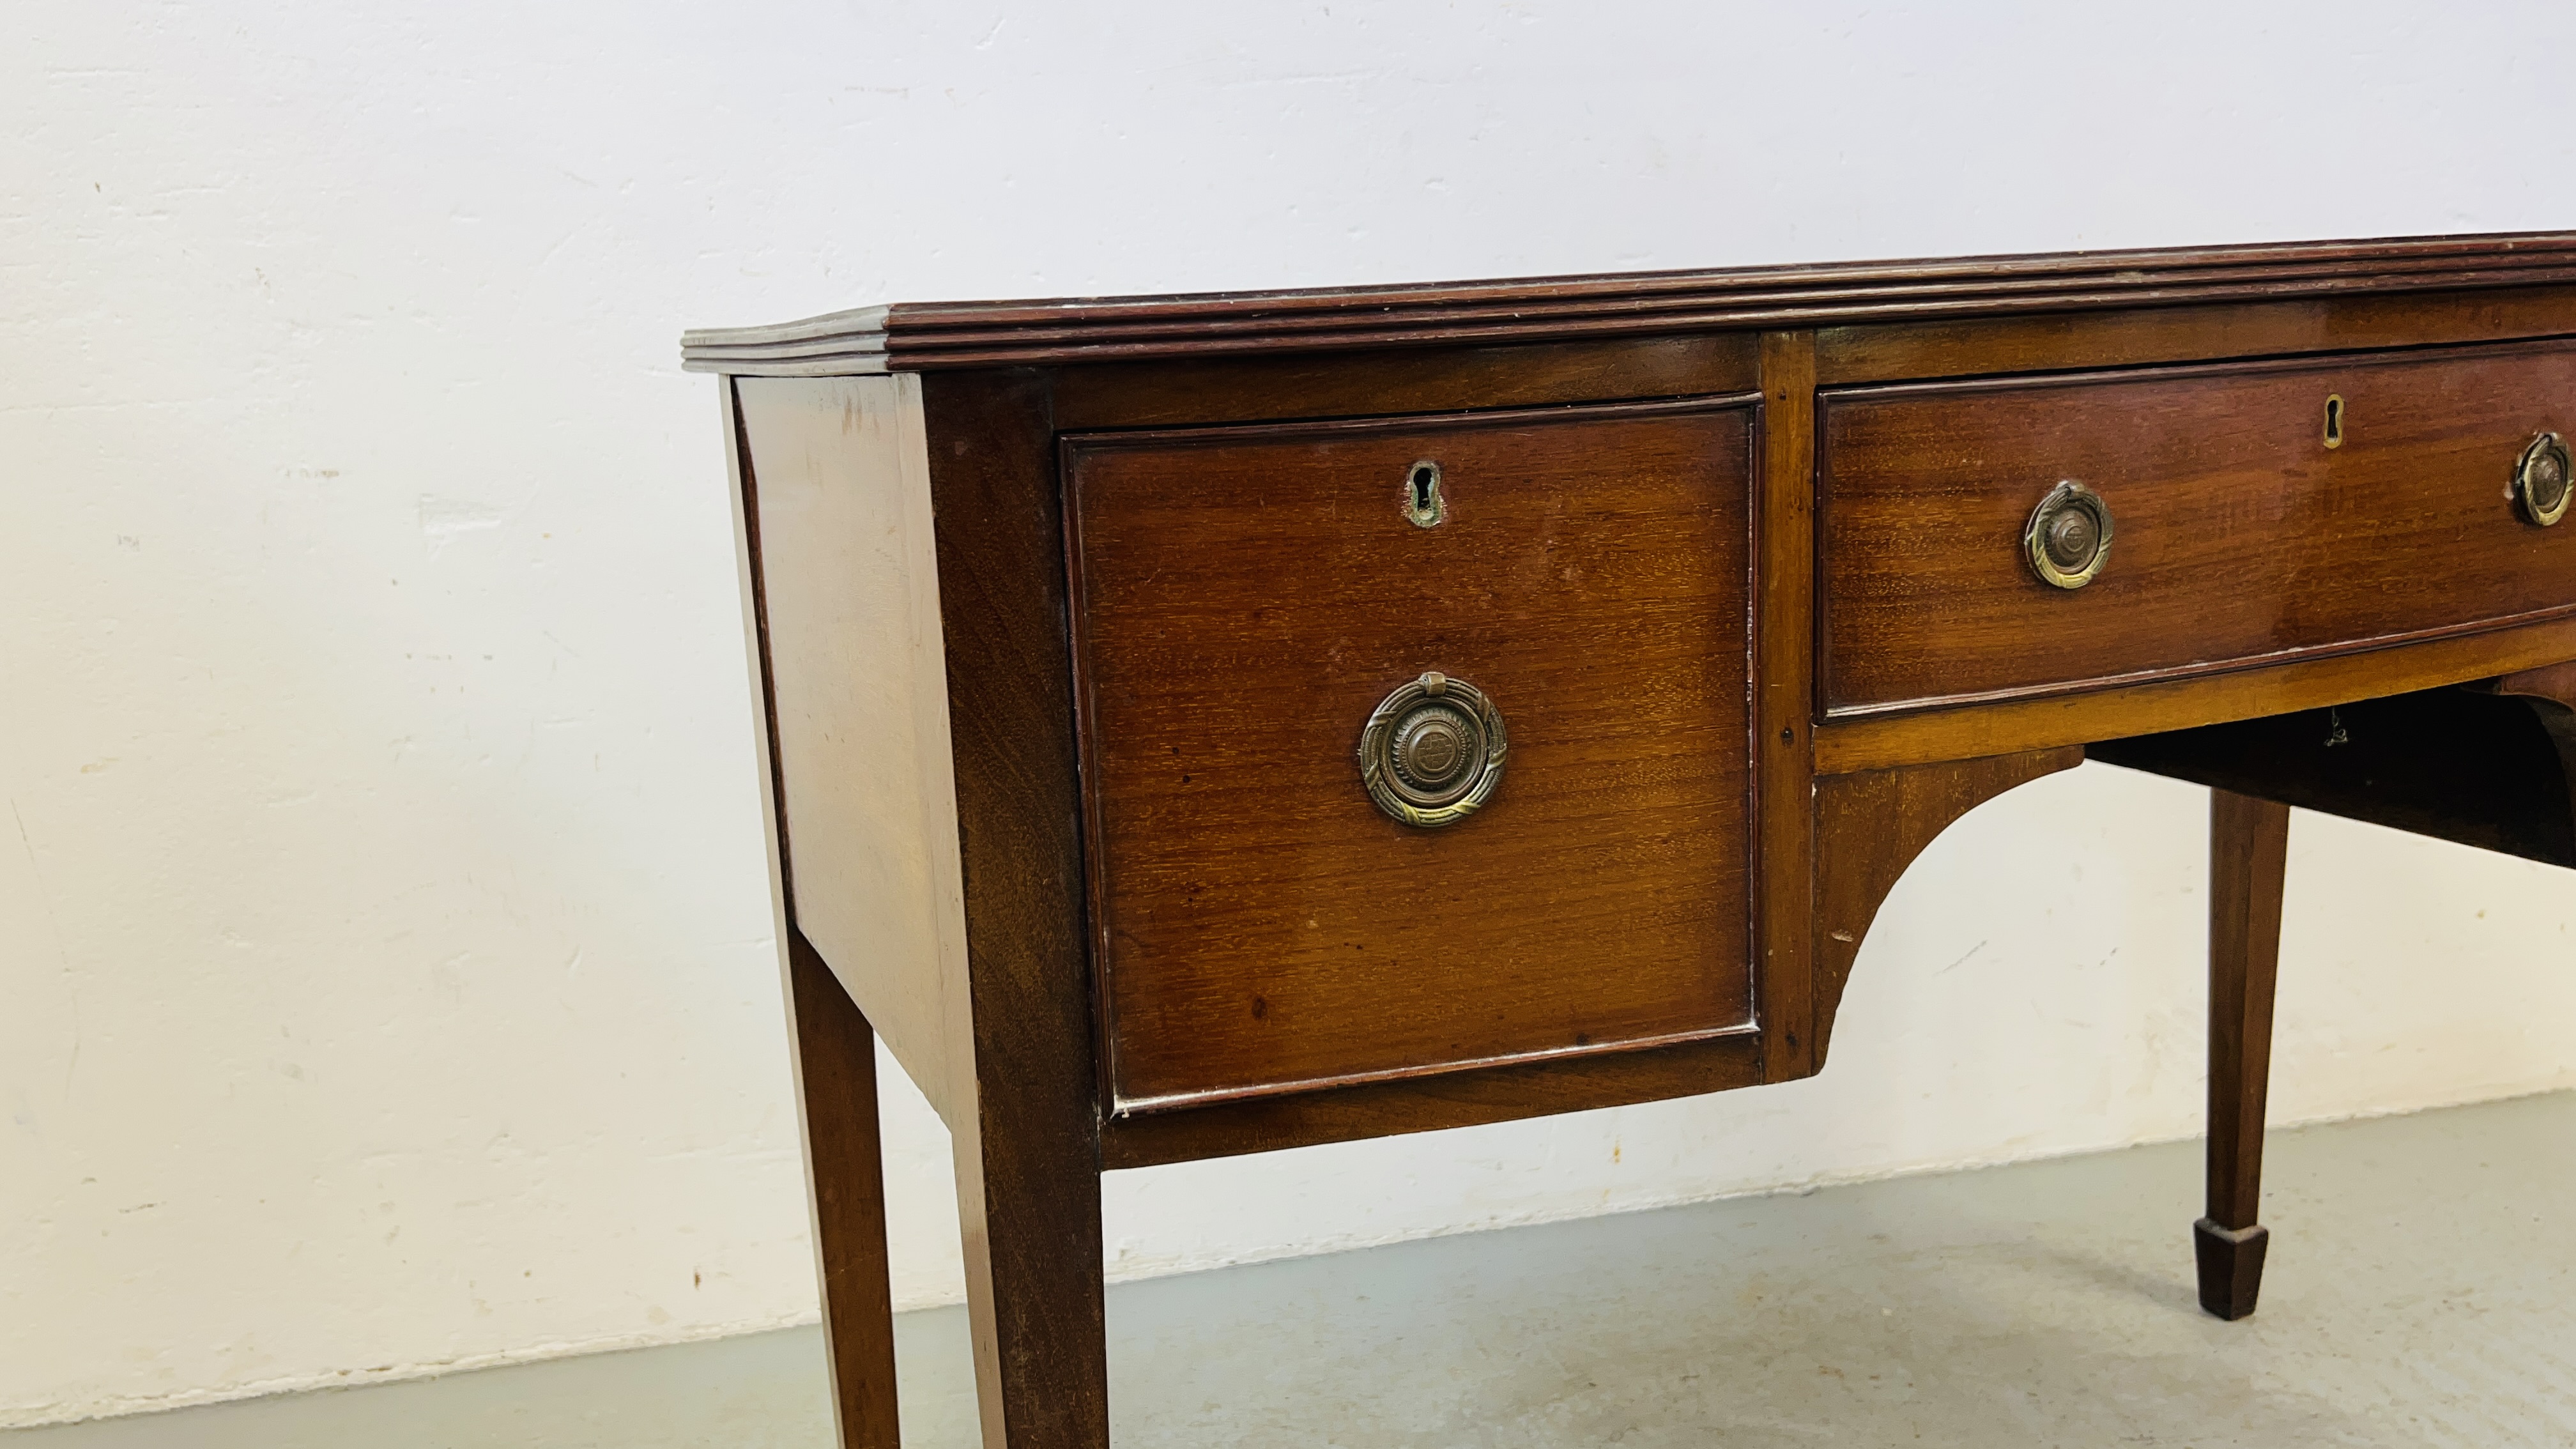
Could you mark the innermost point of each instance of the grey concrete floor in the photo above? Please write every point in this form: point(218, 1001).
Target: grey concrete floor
point(2419, 1294)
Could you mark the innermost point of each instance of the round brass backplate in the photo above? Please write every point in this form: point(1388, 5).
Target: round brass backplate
point(2068, 538)
point(2540, 480)
point(1432, 752)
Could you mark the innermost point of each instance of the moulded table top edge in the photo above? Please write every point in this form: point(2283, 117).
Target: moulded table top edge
point(918, 336)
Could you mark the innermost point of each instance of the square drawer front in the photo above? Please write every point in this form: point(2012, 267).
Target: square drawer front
point(1245, 597)
point(2238, 534)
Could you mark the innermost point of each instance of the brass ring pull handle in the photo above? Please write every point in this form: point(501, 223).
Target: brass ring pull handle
point(1432, 751)
point(2540, 481)
point(2068, 538)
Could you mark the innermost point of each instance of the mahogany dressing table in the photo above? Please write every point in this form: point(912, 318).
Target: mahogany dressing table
point(1204, 725)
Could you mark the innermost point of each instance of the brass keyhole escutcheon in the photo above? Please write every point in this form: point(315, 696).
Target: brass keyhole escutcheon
point(1432, 752)
point(2334, 420)
point(2068, 538)
point(2540, 480)
point(1423, 505)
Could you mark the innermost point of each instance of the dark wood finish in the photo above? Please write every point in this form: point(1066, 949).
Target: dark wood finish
point(1874, 823)
point(2550, 694)
point(744, 481)
point(2080, 341)
point(1572, 1082)
point(1028, 1158)
point(2403, 532)
point(1886, 741)
point(1427, 380)
point(854, 692)
point(832, 1054)
point(1752, 601)
point(1245, 597)
point(2248, 854)
point(836, 1096)
point(2478, 768)
point(925, 336)
point(2230, 1264)
point(1784, 703)
point(2553, 682)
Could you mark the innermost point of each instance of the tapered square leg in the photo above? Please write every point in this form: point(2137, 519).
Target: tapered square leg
point(836, 1077)
point(2248, 859)
point(1028, 1198)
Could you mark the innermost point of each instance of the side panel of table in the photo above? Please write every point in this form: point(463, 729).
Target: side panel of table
point(838, 506)
point(957, 927)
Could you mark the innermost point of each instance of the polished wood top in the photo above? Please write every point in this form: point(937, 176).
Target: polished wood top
point(926, 336)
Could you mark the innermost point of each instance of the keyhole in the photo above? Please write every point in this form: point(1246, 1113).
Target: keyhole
point(1422, 501)
point(2334, 420)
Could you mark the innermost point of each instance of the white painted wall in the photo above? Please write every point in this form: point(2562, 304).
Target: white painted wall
point(385, 980)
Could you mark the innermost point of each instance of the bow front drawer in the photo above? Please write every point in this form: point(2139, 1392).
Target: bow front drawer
point(2029, 536)
point(1412, 745)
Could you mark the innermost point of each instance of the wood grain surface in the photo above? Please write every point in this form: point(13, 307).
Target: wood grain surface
point(1870, 826)
point(832, 1053)
point(1878, 742)
point(2143, 336)
point(2553, 682)
point(1784, 704)
point(1736, 553)
point(913, 336)
point(1401, 381)
point(2240, 537)
point(1504, 1092)
point(1245, 597)
point(836, 1100)
point(1026, 1136)
point(838, 511)
point(2249, 843)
